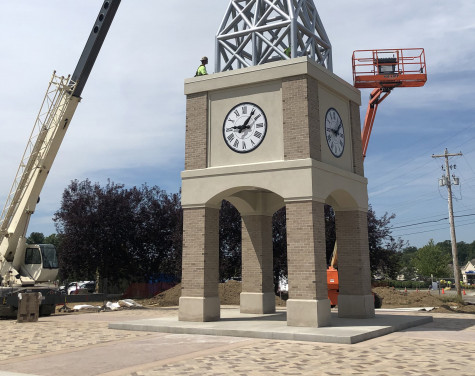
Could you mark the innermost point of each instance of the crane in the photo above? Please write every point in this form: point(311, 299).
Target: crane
point(381, 70)
point(23, 265)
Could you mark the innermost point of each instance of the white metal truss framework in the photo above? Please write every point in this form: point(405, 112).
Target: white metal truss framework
point(255, 32)
point(55, 103)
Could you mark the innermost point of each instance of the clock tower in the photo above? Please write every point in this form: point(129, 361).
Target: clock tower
point(283, 133)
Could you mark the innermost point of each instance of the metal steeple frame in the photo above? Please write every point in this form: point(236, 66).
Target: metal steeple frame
point(255, 32)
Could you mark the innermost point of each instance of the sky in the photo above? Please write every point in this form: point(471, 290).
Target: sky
point(130, 124)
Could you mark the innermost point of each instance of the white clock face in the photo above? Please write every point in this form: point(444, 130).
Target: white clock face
point(244, 127)
point(334, 132)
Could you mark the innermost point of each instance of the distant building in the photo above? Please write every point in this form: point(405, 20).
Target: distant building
point(468, 272)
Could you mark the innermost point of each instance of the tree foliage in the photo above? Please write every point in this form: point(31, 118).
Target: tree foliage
point(279, 241)
point(229, 241)
point(136, 234)
point(120, 233)
point(384, 249)
point(431, 259)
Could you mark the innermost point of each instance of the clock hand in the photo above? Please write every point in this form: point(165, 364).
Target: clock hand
point(244, 126)
point(339, 126)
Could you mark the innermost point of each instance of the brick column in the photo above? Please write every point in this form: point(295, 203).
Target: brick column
point(196, 138)
point(257, 265)
point(357, 148)
point(199, 299)
point(301, 118)
point(355, 299)
point(308, 303)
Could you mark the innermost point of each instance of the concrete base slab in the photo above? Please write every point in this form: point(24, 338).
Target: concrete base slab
point(199, 309)
point(274, 326)
point(314, 313)
point(261, 303)
point(356, 306)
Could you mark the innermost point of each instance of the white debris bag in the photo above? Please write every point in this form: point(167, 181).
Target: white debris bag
point(129, 303)
point(112, 306)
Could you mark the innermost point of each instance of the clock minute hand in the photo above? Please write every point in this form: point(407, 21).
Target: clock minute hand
point(339, 127)
point(245, 125)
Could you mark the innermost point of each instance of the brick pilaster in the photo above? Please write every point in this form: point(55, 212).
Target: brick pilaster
point(353, 252)
point(196, 137)
point(306, 250)
point(200, 265)
point(257, 257)
point(356, 139)
point(301, 118)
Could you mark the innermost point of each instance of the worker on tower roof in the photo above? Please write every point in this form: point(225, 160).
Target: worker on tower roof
point(288, 51)
point(201, 71)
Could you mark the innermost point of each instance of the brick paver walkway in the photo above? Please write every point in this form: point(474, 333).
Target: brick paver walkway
point(83, 345)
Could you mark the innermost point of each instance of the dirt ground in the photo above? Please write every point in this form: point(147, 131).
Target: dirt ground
point(391, 298)
point(228, 295)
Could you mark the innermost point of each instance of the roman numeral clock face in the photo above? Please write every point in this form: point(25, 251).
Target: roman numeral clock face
point(334, 132)
point(244, 127)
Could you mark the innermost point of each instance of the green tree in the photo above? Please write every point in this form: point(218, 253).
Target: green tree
point(384, 249)
point(36, 238)
point(229, 241)
point(431, 259)
point(132, 234)
point(279, 240)
point(407, 267)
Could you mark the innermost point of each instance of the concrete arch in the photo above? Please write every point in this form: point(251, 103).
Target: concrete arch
point(249, 200)
point(342, 200)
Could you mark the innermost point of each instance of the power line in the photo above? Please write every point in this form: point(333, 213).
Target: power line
point(441, 228)
point(433, 221)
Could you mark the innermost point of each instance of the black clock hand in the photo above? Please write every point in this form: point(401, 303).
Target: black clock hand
point(335, 132)
point(339, 126)
point(245, 125)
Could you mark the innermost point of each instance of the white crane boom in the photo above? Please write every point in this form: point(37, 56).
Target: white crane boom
point(22, 264)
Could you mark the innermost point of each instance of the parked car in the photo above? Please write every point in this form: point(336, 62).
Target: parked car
point(74, 287)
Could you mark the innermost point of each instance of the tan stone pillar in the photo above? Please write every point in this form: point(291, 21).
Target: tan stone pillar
point(355, 299)
point(257, 265)
point(308, 303)
point(199, 299)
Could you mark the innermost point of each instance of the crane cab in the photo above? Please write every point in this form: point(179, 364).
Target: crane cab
point(41, 263)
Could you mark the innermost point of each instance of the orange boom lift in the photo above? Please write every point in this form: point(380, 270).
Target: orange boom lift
point(382, 71)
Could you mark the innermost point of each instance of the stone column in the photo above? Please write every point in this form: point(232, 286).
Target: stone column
point(199, 299)
point(355, 299)
point(257, 265)
point(308, 303)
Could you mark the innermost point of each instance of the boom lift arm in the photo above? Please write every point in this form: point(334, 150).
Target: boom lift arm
point(382, 71)
point(376, 97)
point(59, 105)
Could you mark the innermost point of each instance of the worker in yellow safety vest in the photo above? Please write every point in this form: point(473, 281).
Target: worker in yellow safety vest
point(201, 71)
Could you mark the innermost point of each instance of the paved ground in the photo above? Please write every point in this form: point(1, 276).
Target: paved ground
point(83, 345)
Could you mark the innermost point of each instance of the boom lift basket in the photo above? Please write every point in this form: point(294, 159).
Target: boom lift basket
point(389, 68)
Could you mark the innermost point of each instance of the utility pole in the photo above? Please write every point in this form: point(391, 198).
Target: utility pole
point(445, 180)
